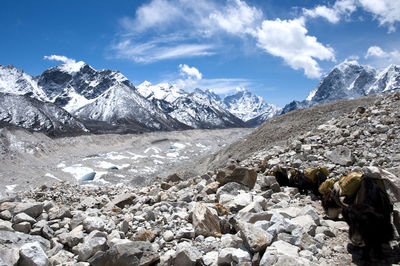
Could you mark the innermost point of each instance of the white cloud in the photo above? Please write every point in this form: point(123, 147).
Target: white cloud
point(381, 58)
point(61, 58)
point(155, 51)
point(237, 18)
point(375, 51)
point(387, 12)
point(288, 39)
point(198, 28)
point(190, 72)
point(322, 11)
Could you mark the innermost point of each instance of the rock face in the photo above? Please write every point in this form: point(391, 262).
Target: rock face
point(35, 115)
point(214, 219)
point(349, 80)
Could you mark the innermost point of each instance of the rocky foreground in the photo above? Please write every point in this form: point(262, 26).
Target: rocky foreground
point(232, 216)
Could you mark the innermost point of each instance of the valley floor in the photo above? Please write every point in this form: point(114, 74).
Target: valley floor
point(31, 159)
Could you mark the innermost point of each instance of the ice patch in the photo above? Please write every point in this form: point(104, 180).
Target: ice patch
point(199, 145)
point(105, 165)
point(172, 154)
point(158, 162)
point(52, 176)
point(157, 156)
point(61, 165)
point(177, 146)
point(11, 187)
point(77, 170)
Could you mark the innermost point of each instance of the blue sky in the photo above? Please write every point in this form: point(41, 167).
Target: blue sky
point(277, 49)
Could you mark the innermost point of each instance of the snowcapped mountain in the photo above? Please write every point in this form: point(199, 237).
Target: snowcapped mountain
point(122, 105)
point(32, 114)
point(199, 109)
point(247, 105)
point(16, 81)
point(74, 85)
point(349, 80)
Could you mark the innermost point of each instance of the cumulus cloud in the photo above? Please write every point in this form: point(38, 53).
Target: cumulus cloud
point(60, 58)
point(288, 39)
point(387, 12)
point(190, 72)
point(381, 58)
point(188, 28)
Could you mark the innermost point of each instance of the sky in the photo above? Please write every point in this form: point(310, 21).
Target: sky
point(279, 50)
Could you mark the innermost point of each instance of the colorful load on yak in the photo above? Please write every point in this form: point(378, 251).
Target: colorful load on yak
point(350, 184)
point(326, 187)
point(311, 174)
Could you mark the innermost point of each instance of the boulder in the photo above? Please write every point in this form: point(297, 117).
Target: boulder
point(241, 175)
point(33, 209)
point(122, 200)
point(93, 223)
point(205, 221)
point(32, 254)
point(187, 255)
point(129, 253)
point(254, 238)
point(341, 155)
point(88, 248)
point(6, 226)
point(279, 250)
point(23, 217)
point(237, 256)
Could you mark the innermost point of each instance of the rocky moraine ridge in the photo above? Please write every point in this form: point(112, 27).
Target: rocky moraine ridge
point(233, 216)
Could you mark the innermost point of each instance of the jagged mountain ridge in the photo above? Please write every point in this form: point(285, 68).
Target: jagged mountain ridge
point(35, 115)
point(349, 80)
point(183, 105)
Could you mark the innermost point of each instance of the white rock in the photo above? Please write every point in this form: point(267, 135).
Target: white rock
point(32, 254)
point(255, 239)
point(210, 258)
point(93, 223)
point(229, 255)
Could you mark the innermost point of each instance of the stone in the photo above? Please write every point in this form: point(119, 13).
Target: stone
point(6, 226)
point(59, 213)
point(238, 256)
point(130, 253)
point(188, 255)
point(341, 155)
point(33, 209)
point(205, 221)
point(88, 248)
point(254, 238)
point(5, 215)
point(32, 254)
point(23, 227)
point(62, 257)
point(9, 255)
point(185, 232)
point(241, 175)
point(168, 236)
point(72, 238)
point(309, 210)
point(254, 217)
point(231, 241)
point(93, 223)
point(306, 222)
point(210, 258)
point(278, 249)
point(339, 225)
point(173, 178)
point(23, 217)
point(121, 200)
point(237, 202)
point(231, 188)
point(143, 234)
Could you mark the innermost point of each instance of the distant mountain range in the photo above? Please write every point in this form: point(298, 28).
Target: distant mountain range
point(106, 101)
point(349, 80)
point(75, 98)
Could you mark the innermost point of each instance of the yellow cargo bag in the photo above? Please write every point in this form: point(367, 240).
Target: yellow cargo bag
point(350, 184)
point(326, 186)
point(311, 174)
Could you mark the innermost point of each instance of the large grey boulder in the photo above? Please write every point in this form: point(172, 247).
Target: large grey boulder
point(32, 254)
point(33, 209)
point(241, 175)
point(341, 155)
point(227, 256)
point(255, 238)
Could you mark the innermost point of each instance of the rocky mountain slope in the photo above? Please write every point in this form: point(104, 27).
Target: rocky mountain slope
point(237, 215)
point(32, 114)
point(349, 80)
